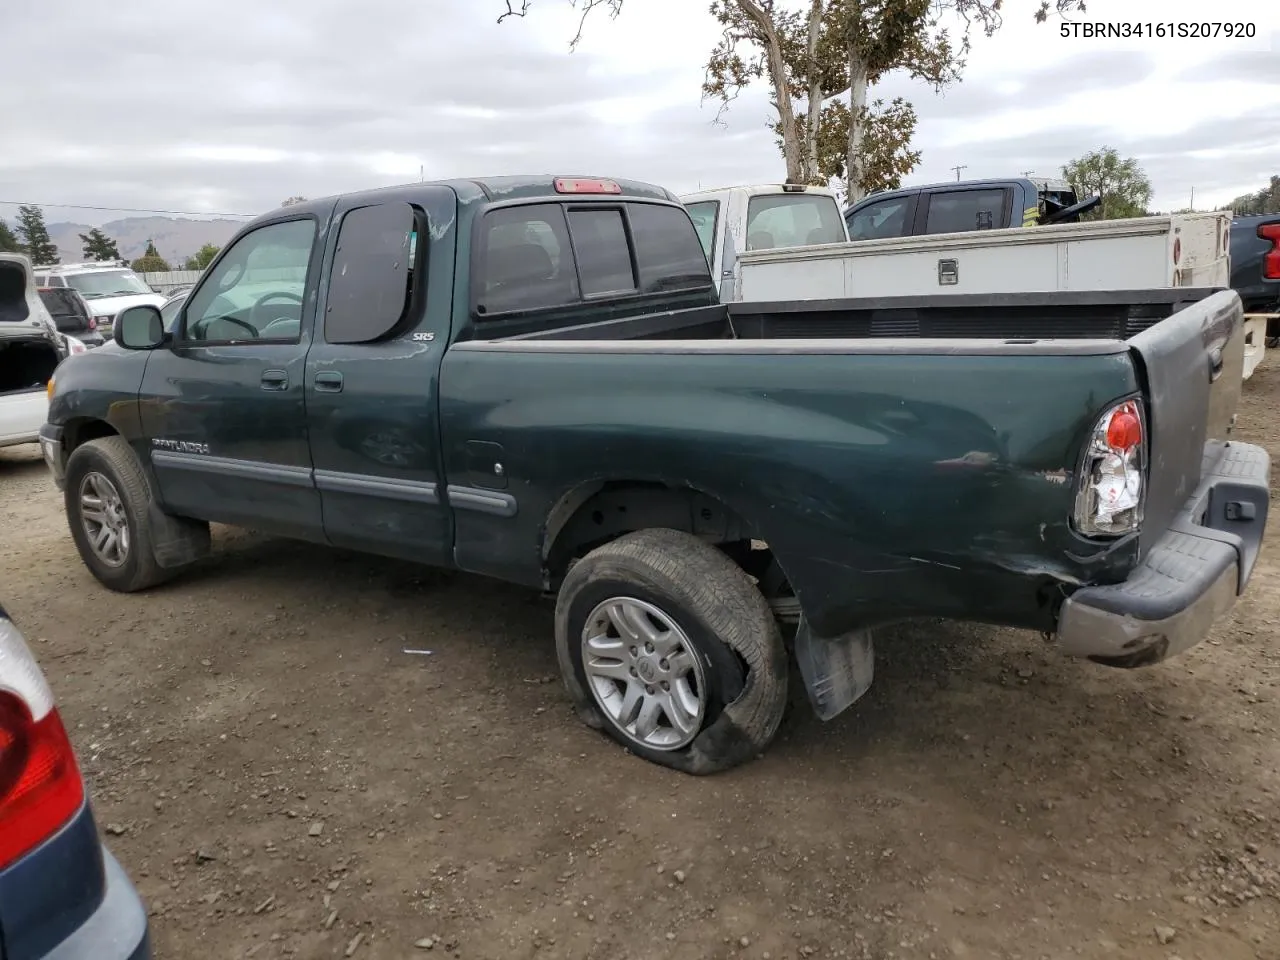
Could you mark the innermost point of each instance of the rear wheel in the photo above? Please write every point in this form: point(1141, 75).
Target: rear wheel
point(668, 647)
point(108, 500)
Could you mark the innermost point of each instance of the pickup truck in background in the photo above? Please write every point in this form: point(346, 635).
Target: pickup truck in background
point(769, 216)
point(965, 205)
point(533, 379)
point(1255, 267)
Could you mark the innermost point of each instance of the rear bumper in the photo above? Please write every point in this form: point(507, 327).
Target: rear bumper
point(1188, 579)
point(117, 930)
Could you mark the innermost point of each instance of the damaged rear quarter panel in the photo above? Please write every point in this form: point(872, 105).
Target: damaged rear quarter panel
point(888, 485)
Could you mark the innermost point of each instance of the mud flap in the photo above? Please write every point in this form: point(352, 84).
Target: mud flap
point(837, 671)
point(177, 541)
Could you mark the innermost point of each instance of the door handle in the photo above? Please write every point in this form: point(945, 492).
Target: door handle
point(329, 381)
point(275, 380)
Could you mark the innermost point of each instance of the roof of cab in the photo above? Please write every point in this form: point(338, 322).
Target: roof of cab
point(484, 190)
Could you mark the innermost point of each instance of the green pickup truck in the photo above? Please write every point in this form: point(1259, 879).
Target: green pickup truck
point(533, 379)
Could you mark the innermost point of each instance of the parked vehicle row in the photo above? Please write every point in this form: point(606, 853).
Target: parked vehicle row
point(978, 237)
point(31, 347)
point(536, 380)
point(107, 288)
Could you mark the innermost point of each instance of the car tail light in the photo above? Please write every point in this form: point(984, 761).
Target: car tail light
point(93, 323)
point(1112, 483)
point(1271, 261)
point(585, 185)
point(40, 785)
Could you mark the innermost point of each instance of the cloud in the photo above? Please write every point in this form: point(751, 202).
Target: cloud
point(231, 108)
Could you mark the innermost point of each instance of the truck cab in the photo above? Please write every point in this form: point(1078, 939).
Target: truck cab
point(960, 206)
point(761, 217)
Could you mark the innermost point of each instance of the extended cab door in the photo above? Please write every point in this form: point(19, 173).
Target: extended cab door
point(963, 209)
point(222, 406)
point(372, 373)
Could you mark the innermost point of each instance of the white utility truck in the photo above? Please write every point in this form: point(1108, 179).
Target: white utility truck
point(793, 250)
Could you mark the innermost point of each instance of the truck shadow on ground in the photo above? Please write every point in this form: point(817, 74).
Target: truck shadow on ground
point(958, 697)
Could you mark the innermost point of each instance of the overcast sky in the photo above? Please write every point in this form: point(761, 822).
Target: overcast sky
point(232, 107)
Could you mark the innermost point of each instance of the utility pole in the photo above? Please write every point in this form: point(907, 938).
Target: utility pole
point(963, 166)
point(1027, 173)
point(1193, 199)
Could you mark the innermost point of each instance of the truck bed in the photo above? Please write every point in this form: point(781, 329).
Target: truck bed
point(1047, 319)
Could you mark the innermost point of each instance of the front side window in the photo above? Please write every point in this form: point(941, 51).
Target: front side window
point(876, 221)
point(169, 312)
point(256, 290)
point(99, 284)
point(792, 220)
point(703, 213)
point(959, 211)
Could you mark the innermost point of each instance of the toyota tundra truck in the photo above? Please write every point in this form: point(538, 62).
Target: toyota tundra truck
point(533, 379)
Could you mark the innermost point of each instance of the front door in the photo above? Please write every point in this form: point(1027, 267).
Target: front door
point(372, 375)
point(224, 406)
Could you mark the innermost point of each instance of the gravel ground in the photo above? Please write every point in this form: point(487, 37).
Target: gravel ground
point(283, 780)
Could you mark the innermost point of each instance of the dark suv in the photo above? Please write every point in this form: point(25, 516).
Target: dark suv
point(72, 314)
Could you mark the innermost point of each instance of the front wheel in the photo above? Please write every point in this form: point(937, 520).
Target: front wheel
point(667, 646)
point(107, 501)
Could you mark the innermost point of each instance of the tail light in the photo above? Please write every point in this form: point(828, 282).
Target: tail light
point(40, 785)
point(1112, 484)
point(93, 323)
point(1271, 261)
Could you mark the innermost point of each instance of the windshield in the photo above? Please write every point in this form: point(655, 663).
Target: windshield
point(792, 220)
point(703, 213)
point(107, 283)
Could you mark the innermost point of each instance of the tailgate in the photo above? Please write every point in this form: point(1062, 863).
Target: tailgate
point(1193, 366)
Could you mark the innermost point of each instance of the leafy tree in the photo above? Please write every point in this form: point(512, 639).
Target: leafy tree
point(98, 246)
point(814, 51)
point(8, 242)
point(151, 261)
point(1122, 184)
point(1266, 200)
point(202, 257)
point(36, 242)
point(292, 200)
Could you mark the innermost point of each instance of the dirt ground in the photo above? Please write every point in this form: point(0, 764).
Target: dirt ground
point(283, 780)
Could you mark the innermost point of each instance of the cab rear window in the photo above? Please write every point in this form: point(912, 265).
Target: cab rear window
point(545, 255)
point(792, 220)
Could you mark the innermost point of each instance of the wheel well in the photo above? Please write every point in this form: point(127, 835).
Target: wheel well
point(79, 432)
point(599, 512)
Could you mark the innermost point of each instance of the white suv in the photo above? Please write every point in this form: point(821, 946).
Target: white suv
point(107, 287)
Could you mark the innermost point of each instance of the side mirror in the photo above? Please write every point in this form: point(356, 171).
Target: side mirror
point(138, 328)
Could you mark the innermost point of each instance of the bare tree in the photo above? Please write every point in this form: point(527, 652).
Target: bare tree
point(821, 50)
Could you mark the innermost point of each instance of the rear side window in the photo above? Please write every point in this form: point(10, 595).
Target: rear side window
point(543, 255)
point(371, 283)
point(792, 220)
point(960, 210)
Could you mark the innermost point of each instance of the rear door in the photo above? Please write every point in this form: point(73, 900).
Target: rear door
point(964, 209)
point(223, 405)
point(372, 372)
